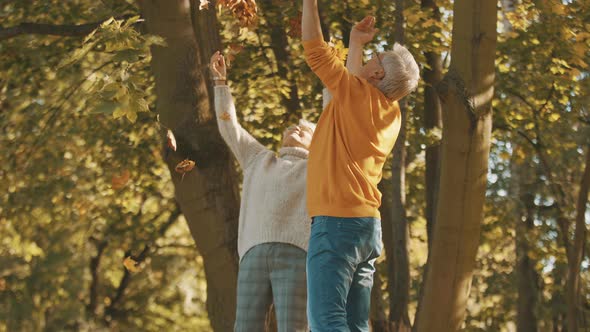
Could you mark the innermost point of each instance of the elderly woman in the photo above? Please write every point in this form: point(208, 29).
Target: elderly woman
point(273, 225)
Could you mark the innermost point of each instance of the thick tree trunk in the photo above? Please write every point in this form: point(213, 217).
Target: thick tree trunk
point(466, 93)
point(577, 252)
point(524, 215)
point(208, 195)
point(399, 279)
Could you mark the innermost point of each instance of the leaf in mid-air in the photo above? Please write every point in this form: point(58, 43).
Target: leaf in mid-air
point(171, 140)
point(130, 264)
point(185, 166)
point(204, 4)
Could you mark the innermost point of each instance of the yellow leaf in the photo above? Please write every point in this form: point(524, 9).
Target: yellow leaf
point(131, 265)
point(131, 116)
point(505, 155)
point(580, 49)
point(119, 112)
point(554, 117)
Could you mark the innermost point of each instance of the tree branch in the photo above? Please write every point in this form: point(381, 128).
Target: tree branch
point(69, 30)
point(111, 310)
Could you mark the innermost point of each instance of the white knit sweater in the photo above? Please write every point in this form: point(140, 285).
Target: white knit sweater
point(273, 207)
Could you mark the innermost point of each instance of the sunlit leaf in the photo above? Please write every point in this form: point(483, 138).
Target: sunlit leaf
point(171, 140)
point(185, 166)
point(131, 265)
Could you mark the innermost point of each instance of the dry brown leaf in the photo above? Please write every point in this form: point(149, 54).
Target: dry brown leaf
point(295, 26)
point(120, 180)
point(244, 10)
point(236, 48)
point(204, 4)
point(130, 264)
point(185, 166)
point(225, 116)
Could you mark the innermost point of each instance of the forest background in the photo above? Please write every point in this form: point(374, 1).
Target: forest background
point(485, 209)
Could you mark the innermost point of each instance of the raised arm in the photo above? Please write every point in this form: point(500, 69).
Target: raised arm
point(241, 143)
point(310, 22)
point(362, 33)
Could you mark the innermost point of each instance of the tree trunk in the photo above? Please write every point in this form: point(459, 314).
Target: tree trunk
point(279, 44)
point(379, 321)
point(526, 275)
point(577, 252)
point(466, 93)
point(432, 120)
point(399, 279)
point(208, 195)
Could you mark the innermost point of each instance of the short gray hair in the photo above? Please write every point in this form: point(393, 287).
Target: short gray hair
point(401, 73)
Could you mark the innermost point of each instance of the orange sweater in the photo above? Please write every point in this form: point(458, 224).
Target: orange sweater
point(355, 133)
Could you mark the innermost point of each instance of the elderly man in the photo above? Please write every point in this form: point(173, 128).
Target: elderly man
point(355, 133)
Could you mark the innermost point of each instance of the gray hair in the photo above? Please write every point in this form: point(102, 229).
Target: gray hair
point(401, 73)
point(308, 124)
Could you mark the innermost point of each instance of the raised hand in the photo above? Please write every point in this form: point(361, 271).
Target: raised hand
point(218, 68)
point(364, 31)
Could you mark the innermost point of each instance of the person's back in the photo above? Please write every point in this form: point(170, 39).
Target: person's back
point(356, 132)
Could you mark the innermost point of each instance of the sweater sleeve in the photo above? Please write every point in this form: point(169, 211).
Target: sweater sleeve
point(324, 62)
point(241, 143)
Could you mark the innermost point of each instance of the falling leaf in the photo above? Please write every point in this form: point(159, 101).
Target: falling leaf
point(185, 166)
point(225, 116)
point(2, 284)
point(171, 140)
point(130, 264)
point(120, 180)
point(236, 48)
point(295, 26)
point(244, 10)
point(204, 4)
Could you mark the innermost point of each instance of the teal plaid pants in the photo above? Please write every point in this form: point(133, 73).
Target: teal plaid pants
point(272, 273)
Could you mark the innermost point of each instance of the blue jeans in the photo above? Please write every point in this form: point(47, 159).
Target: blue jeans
point(340, 267)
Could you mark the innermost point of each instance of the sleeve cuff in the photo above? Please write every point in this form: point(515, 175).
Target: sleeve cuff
point(313, 43)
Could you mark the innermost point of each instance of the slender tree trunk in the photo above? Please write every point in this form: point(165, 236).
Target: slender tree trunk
point(208, 195)
point(526, 275)
point(386, 210)
point(466, 93)
point(577, 252)
point(432, 120)
point(379, 321)
point(279, 44)
point(399, 280)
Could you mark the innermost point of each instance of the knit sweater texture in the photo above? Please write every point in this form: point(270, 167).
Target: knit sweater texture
point(356, 131)
point(272, 207)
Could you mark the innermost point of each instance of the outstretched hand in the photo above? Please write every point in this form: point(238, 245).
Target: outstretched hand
point(218, 67)
point(364, 31)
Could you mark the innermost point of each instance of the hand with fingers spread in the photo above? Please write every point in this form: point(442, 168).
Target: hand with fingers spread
point(364, 31)
point(218, 68)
